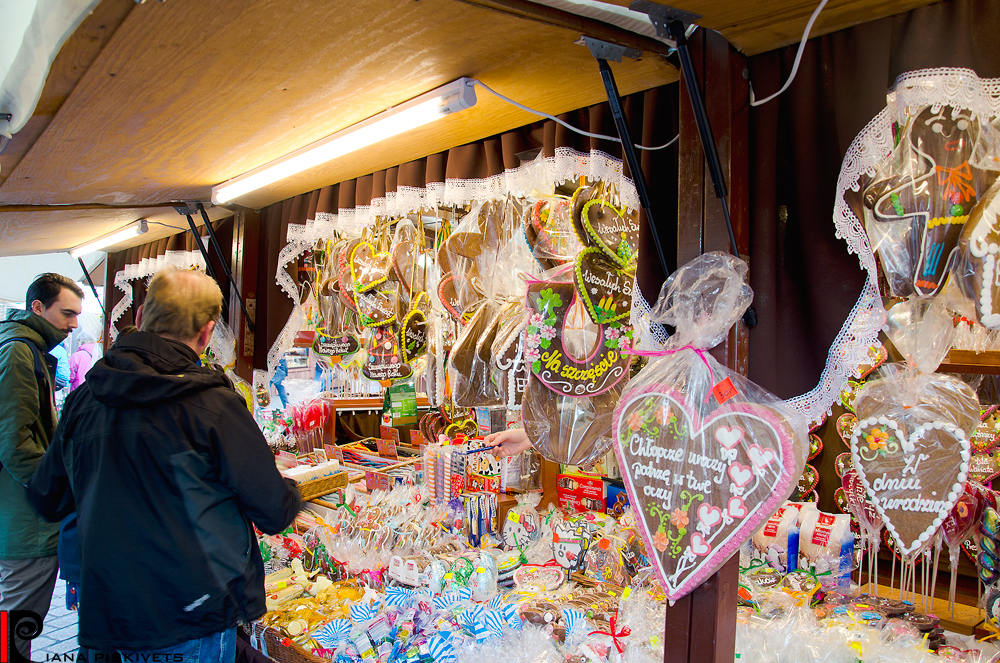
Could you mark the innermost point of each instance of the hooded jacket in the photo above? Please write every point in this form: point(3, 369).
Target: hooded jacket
point(166, 470)
point(27, 420)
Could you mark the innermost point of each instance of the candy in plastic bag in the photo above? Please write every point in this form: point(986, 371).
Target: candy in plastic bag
point(706, 455)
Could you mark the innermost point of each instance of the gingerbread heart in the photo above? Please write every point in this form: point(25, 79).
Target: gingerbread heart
point(808, 481)
point(336, 345)
point(913, 477)
point(604, 287)
point(843, 463)
point(612, 230)
point(817, 422)
point(344, 275)
point(987, 434)
point(385, 363)
point(845, 427)
point(815, 445)
point(978, 248)
point(985, 466)
point(858, 504)
point(877, 355)
point(377, 307)
point(702, 487)
point(368, 267)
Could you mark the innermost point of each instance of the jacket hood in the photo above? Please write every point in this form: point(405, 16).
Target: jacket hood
point(144, 369)
point(38, 330)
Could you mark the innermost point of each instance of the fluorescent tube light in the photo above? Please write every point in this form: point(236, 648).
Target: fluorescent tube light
point(417, 112)
point(133, 230)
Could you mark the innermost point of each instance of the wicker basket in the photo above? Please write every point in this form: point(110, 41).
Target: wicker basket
point(323, 486)
point(269, 641)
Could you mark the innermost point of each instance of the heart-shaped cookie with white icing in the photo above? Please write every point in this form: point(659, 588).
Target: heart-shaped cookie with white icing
point(701, 486)
point(914, 473)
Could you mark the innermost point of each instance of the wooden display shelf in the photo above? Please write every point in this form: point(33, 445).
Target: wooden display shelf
point(966, 618)
point(967, 361)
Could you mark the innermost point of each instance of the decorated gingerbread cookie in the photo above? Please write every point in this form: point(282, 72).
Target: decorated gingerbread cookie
point(912, 453)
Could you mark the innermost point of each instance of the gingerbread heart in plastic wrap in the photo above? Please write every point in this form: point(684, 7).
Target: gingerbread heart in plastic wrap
point(706, 455)
point(910, 447)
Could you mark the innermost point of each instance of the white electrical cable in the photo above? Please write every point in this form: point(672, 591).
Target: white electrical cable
point(798, 58)
point(566, 124)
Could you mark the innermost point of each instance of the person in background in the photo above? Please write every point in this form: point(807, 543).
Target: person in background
point(168, 474)
point(62, 366)
point(28, 564)
point(280, 373)
point(81, 361)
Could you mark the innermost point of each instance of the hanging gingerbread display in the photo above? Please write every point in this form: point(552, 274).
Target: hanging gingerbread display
point(706, 455)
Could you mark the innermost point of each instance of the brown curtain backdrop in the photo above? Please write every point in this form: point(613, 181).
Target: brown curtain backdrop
point(652, 117)
point(805, 283)
point(182, 241)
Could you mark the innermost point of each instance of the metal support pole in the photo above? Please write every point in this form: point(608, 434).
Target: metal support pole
point(601, 50)
point(225, 265)
point(90, 281)
point(204, 254)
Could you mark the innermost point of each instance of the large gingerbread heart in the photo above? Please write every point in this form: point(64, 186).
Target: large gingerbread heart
point(913, 477)
point(377, 307)
point(701, 487)
point(368, 267)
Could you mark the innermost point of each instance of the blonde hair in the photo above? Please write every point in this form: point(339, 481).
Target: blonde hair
point(179, 303)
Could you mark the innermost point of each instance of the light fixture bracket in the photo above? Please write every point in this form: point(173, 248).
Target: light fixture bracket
point(604, 50)
point(661, 16)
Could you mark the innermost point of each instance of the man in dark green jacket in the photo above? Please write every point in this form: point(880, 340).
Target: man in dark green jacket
point(28, 563)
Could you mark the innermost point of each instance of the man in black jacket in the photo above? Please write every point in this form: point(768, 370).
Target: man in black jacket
point(166, 470)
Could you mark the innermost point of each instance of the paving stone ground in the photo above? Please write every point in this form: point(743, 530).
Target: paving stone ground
point(59, 628)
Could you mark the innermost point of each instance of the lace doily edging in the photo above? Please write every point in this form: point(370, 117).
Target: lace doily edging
point(146, 268)
point(958, 88)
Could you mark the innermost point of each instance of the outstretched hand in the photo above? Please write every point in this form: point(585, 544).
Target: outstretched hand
point(508, 443)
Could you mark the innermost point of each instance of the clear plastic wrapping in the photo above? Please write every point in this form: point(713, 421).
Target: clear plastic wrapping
point(910, 446)
point(706, 455)
point(923, 194)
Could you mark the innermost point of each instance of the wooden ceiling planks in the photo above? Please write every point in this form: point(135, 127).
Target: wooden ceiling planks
point(190, 94)
point(28, 233)
point(74, 58)
point(756, 26)
point(187, 95)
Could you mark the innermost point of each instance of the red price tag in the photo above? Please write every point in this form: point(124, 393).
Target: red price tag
point(724, 391)
point(417, 438)
point(387, 449)
point(389, 433)
point(334, 453)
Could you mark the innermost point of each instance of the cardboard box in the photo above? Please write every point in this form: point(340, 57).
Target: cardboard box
point(584, 486)
point(605, 467)
point(481, 482)
point(574, 502)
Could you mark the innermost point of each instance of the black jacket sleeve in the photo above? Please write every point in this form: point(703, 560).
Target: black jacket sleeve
point(247, 466)
point(49, 491)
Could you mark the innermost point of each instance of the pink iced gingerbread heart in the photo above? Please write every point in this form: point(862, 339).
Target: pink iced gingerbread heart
point(701, 486)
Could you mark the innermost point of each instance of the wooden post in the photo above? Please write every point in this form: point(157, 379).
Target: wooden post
point(701, 627)
point(245, 259)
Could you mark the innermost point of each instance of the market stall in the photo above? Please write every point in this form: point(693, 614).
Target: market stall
point(805, 480)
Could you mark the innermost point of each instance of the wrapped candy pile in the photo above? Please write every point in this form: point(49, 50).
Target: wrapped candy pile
point(396, 579)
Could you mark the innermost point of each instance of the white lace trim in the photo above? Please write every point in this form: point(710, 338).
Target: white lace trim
point(567, 164)
point(958, 88)
point(542, 173)
point(143, 269)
